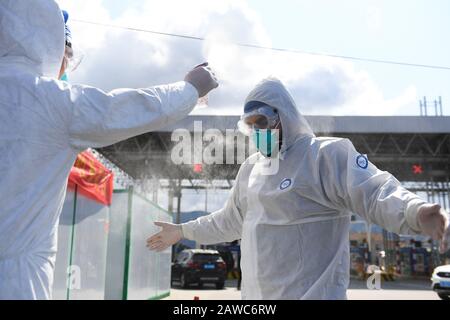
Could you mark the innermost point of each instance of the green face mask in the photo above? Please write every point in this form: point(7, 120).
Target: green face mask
point(266, 141)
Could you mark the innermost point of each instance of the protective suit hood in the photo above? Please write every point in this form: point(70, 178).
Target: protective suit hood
point(273, 93)
point(32, 35)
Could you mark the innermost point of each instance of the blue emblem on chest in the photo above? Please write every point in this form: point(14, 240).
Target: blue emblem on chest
point(361, 161)
point(285, 183)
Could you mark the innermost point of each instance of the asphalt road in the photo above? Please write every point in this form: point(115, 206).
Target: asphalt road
point(394, 290)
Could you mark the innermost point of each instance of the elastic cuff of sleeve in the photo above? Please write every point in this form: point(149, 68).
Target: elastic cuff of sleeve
point(191, 88)
point(412, 212)
point(187, 231)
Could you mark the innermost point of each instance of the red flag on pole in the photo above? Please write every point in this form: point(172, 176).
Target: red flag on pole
point(93, 179)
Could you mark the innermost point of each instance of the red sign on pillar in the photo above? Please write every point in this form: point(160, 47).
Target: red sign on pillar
point(198, 168)
point(417, 169)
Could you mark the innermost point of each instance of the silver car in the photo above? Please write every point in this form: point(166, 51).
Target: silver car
point(440, 281)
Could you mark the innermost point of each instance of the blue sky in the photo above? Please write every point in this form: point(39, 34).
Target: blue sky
point(407, 31)
point(410, 31)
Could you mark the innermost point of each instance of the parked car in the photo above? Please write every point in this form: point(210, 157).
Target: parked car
point(441, 281)
point(199, 266)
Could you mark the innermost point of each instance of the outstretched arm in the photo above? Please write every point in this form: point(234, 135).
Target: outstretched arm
point(359, 186)
point(224, 225)
point(90, 117)
point(102, 118)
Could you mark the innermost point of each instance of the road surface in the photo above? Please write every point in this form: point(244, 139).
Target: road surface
point(399, 289)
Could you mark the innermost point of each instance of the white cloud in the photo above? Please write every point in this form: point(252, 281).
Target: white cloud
point(122, 58)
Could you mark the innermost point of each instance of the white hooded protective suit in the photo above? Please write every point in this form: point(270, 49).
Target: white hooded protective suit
point(294, 224)
point(44, 124)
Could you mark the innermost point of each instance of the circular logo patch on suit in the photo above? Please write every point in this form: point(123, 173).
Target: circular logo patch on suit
point(285, 183)
point(362, 161)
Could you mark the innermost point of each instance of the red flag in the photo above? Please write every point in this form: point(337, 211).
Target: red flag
point(94, 181)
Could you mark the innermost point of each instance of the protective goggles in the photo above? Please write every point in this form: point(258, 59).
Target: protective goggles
point(260, 118)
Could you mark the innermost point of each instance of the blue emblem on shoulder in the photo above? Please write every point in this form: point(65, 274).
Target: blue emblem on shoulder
point(362, 161)
point(285, 183)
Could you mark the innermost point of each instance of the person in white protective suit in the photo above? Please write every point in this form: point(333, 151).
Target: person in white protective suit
point(294, 223)
point(45, 123)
